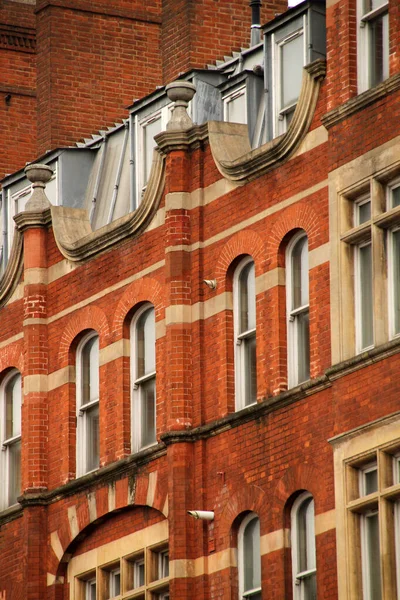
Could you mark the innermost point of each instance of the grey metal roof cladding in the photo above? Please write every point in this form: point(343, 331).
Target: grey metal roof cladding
point(100, 173)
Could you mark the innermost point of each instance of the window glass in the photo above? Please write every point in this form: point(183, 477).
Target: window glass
point(247, 301)
point(138, 573)
point(250, 558)
point(146, 340)
point(303, 549)
point(92, 441)
point(151, 129)
point(363, 212)
point(395, 196)
point(373, 4)
point(369, 480)
point(13, 407)
point(365, 292)
point(245, 324)
point(235, 107)
point(291, 69)
point(148, 412)
point(144, 384)
point(90, 371)
point(300, 273)
point(14, 466)
point(372, 555)
point(379, 49)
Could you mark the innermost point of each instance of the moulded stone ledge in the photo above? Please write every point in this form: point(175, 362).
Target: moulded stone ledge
point(230, 144)
point(12, 274)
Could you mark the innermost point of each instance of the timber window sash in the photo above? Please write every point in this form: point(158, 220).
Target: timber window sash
point(244, 292)
point(10, 430)
point(297, 307)
point(87, 406)
point(373, 42)
point(249, 558)
point(143, 370)
point(303, 548)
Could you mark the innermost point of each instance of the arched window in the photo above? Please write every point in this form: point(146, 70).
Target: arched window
point(249, 560)
point(245, 334)
point(298, 329)
point(303, 548)
point(10, 429)
point(143, 336)
point(87, 405)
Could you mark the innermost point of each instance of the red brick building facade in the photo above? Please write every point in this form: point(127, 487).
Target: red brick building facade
point(229, 346)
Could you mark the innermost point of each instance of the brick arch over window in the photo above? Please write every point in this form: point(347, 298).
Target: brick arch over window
point(244, 242)
point(75, 521)
point(229, 506)
point(90, 317)
point(143, 290)
point(297, 216)
point(299, 477)
point(12, 356)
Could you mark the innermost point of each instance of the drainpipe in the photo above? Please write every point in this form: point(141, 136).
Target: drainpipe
point(255, 22)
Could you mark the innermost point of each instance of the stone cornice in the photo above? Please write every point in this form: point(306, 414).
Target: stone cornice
point(182, 140)
point(76, 247)
point(361, 101)
point(12, 275)
point(21, 39)
point(28, 220)
point(231, 148)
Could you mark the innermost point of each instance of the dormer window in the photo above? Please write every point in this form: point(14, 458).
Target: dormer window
point(290, 57)
point(235, 110)
point(291, 41)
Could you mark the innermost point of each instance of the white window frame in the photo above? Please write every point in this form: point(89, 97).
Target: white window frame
point(292, 325)
point(244, 594)
point(364, 551)
point(231, 97)
point(81, 410)
point(137, 564)
point(390, 247)
point(114, 573)
point(7, 443)
point(242, 339)
point(300, 576)
point(364, 42)
point(358, 293)
point(137, 385)
point(369, 468)
point(89, 584)
point(280, 124)
point(141, 123)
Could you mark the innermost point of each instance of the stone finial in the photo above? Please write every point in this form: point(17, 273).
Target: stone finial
point(38, 175)
point(180, 92)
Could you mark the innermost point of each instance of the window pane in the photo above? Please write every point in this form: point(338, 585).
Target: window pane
point(92, 438)
point(148, 412)
point(305, 536)
point(379, 49)
point(251, 555)
point(363, 212)
point(138, 574)
point(13, 407)
point(250, 370)
point(310, 587)
point(115, 587)
point(303, 346)
point(396, 280)
point(90, 370)
point(300, 273)
point(247, 298)
point(395, 194)
point(291, 70)
point(236, 108)
point(370, 481)
point(14, 475)
point(146, 343)
point(150, 130)
point(373, 556)
point(373, 4)
point(365, 284)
